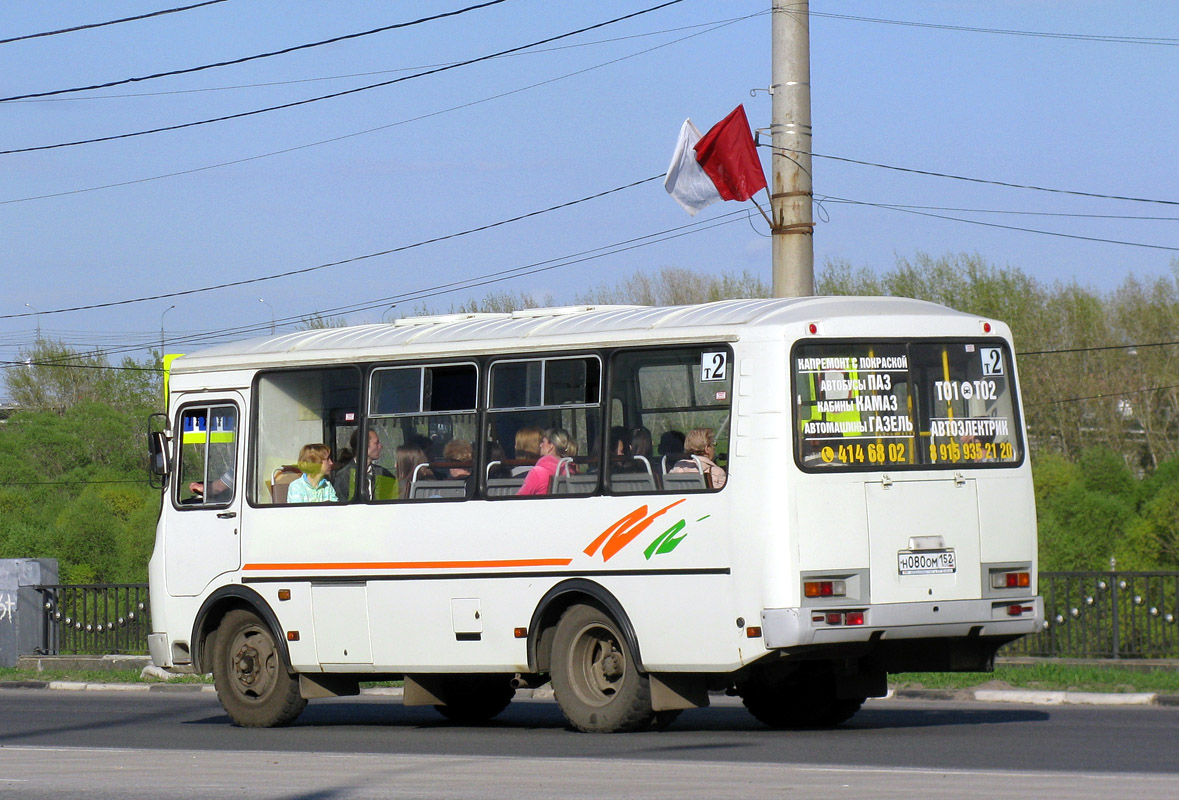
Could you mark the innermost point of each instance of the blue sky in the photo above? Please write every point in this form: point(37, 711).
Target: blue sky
point(1071, 114)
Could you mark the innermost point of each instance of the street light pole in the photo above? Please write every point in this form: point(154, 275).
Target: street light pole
point(166, 310)
point(37, 317)
point(263, 302)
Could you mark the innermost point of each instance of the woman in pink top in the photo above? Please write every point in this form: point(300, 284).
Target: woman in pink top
point(554, 445)
point(701, 443)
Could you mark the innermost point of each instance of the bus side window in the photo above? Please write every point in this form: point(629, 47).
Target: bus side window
point(425, 418)
point(533, 400)
point(669, 420)
point(295, 408)
point(208, 456)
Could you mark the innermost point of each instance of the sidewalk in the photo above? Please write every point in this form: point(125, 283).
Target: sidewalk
point(1023, 696)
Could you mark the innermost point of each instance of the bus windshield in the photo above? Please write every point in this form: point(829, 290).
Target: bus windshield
point(928, 404)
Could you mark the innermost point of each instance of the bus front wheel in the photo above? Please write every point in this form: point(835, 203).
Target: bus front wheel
point(595, 678)
point(254, 683)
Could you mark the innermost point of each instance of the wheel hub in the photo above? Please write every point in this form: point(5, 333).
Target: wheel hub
point(254, 664)
point(246, 665)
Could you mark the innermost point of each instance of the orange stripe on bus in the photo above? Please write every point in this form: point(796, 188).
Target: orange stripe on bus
point(526, 562)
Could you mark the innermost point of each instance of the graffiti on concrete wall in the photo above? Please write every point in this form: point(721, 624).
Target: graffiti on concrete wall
point(7, 604)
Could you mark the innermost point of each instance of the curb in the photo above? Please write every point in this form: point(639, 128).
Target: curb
point(1015, 696)
point(1037, 697)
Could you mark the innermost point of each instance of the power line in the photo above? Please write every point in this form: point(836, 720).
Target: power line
point(64, 363)
point(110, 22)
point(1138, 217)
point(321, 78)
point(452, 286)
point(343, 93)
point(1101, 396)
point(1085, 37)
point(245, 59)
point(514, 272)
point(1018, 228)
point(353, 259)
point(509, 273)
point(980, 180)
point(712, 27)
point(1097, 348)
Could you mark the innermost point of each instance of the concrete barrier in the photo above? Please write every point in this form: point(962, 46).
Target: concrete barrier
point(22, 621)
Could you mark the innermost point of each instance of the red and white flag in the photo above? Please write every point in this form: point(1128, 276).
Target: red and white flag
point(721, 165)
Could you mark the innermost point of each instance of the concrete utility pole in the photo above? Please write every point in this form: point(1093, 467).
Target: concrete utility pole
point(793, 228)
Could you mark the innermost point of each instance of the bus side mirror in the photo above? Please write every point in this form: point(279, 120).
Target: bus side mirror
point(157, 449)
point(158, 464)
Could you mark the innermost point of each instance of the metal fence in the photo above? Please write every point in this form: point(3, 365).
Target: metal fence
point(95, 619)
point(1087, 615)
point(1105, 615)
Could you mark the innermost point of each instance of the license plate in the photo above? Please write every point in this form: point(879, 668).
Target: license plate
point(926, 562)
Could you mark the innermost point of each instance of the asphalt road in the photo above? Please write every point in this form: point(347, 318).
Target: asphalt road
point(100, 745)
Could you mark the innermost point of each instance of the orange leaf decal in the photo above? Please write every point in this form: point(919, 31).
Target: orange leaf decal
point(622, 532)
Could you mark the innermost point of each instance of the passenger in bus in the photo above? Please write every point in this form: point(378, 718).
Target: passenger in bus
point(640, 442)
point(459, 451)
point(555, 445)
point(701, 443)
point(379, 484)
point(313, 485)
point(409, 457)
point(671, 443)
point(527, 448)
point(420, 441)
point(671, 447)
point(495, 456)
point(619, 452)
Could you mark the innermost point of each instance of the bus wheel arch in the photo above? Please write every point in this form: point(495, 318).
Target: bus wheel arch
point(559, 599)
point(213, 611)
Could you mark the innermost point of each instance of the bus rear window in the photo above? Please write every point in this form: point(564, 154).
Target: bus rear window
point(872, 405)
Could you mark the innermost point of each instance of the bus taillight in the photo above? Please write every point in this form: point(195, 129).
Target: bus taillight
point(824, 588)
point(839, 617)
point(1011, 580)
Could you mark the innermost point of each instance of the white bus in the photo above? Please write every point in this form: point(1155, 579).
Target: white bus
point(784, 499)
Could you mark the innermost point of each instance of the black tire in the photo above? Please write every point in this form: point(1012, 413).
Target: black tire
point(472, 699)
point(254, 682)
point(804, 700)
point(595, 677)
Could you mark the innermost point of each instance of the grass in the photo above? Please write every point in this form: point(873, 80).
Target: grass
point(93, 676)
point(1049, 676)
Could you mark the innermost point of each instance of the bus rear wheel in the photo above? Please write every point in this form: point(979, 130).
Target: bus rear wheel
point(254, 682)
point(595, 678)
point(471, 699)
point(804, 699)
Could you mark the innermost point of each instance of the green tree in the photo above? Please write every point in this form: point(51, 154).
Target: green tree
point(675, 286)
point(72, 464)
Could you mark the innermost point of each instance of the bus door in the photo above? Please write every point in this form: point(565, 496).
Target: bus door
point(203, 528)
point(924, 539)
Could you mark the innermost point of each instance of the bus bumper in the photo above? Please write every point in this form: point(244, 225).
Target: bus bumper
point(157, 646)
point(794, 627)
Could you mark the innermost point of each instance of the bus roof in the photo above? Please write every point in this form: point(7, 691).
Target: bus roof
point(539, 328)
